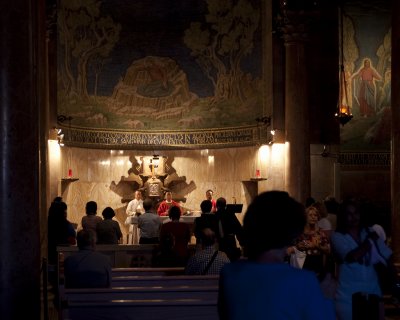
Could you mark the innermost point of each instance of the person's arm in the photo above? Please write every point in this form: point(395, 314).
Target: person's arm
point(238, 230)
point(71, 235)
point(130, 209)
point(197, 227)
point(187, 233)
point(345, 249)
point(376, 75)
point(161, 209)
point(119, 233)
point(356, 74)
point(324, 244)
point(159, 224)
point(359, 252)
point(139, 221)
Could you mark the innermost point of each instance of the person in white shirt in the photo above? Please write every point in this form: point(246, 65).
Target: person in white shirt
point(134, 208)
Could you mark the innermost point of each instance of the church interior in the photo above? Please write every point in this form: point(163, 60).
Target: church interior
point(99, 97)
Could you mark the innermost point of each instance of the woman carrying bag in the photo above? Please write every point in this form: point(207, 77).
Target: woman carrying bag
point(358, 290)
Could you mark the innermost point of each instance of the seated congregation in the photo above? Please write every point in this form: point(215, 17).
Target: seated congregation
point(283, 250)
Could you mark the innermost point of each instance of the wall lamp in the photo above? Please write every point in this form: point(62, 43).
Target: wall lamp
point(59, 136)
point(271, 136)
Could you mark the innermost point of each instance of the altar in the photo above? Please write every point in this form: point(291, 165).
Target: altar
point(187, 217)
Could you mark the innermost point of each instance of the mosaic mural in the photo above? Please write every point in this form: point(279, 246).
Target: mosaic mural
point(367, 55)
point(183, 65)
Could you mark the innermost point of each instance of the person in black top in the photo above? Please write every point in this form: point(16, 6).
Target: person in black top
point(87, 268)
point(165, 256)
point(207, 220)
point(60, 232)
point(229, 229)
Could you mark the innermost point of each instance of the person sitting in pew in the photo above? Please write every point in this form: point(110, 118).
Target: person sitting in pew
point(108, 230)
point(208, 219)
point(180, 231)
point(165, 256)
point(91, 219)
point(61, 232)
point(209, 260)
point(87, 268)
point(229, 229)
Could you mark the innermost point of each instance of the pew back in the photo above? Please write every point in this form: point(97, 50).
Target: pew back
point(165, 281)
point(152, 297)
point(118, 272)
point(190, 309)
point(121, 255)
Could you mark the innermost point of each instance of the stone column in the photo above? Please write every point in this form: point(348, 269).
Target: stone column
point(298, 168)
point(20, 84)
point(395, 152)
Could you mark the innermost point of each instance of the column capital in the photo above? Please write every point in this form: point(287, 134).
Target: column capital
point(295, 19)
point(51, 21)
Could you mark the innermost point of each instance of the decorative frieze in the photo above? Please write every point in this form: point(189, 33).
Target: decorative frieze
point(213, 138)
point(365, 159)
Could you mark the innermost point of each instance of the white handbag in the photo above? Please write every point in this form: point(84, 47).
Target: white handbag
point(297, 258)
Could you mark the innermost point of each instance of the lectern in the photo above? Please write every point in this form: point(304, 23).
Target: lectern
point(234, 208)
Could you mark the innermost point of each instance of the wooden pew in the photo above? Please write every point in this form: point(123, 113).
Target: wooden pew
point(177, 309)
point(136, 292)
point(184, 292)
point(152, 297)
point(165, 281)
point(121, 255)
point(146, 271)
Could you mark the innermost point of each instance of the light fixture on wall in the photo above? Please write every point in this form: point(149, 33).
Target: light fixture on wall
point(61, 119)
point(271, 136)
point(58, 135)
point(60, 138)
point(265, 121)
point(343, 114)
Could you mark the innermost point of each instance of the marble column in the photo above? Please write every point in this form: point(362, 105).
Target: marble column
point(20, 84)
point(395, 152)
point(298, 167)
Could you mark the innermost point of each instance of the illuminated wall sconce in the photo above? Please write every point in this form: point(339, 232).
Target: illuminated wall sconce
point(271, 136)
point(60, 137)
